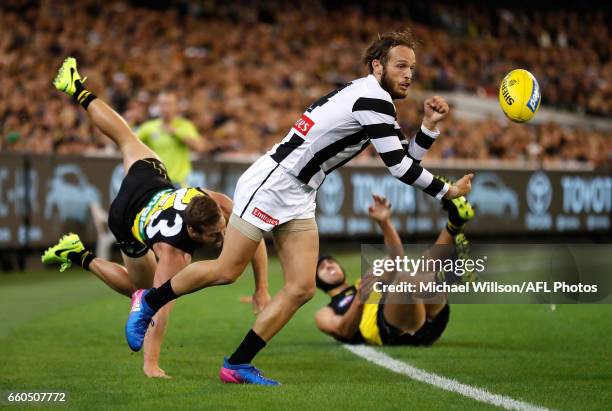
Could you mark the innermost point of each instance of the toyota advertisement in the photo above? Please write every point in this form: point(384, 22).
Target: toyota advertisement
point(506, 201)
point(42, 197)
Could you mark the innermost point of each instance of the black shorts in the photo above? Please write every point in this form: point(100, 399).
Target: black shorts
point(144, 178)
point(426, 335)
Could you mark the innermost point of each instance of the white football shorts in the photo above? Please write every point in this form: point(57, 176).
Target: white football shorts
point(267, 196)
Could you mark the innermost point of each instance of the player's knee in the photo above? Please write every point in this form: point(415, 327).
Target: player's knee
point(230, 274)
point(229, 277)
point(301, 293)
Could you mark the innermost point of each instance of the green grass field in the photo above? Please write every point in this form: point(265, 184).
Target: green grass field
point(64, 332)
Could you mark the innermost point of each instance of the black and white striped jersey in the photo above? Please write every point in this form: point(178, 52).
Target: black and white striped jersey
point(340, 125)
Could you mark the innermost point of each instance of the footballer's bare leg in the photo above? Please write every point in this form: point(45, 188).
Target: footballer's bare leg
point(237, 252)
point(70, 250)
point(102, 116)
point(109, 122)
point(125, 281)
point(118, 277)
point(114, 275)
point(141, 270)
point(298, 252)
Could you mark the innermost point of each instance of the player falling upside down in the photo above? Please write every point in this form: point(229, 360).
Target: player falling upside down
point(149, 218)
point(393, 320)
point(277, 193)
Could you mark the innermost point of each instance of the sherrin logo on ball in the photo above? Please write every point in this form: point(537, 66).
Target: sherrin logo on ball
point(519, 95)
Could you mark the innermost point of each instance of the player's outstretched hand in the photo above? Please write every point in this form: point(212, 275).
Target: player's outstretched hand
point(380, 210)
point(462, 187)
point(365, 285)
point(436, 108)
point(261, 298)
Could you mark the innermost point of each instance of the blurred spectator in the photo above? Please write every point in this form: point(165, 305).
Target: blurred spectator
point(171, 137)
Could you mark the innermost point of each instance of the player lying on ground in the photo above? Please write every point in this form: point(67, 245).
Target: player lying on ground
point(278, 192)
point(392, 320)
point(149, 218)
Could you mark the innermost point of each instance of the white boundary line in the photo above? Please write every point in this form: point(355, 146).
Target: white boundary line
point(448, 384)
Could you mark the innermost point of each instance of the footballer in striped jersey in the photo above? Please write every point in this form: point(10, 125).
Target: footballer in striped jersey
point(277, 194)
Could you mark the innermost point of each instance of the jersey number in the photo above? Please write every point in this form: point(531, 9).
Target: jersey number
point(180, 199)
point(162, 227)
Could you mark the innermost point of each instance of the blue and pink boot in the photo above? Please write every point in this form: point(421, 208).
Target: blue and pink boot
point(243, 374)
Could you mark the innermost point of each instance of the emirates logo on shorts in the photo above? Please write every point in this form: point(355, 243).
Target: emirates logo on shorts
point(266, 218)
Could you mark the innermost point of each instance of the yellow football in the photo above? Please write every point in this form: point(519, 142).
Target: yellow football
point(519, 95)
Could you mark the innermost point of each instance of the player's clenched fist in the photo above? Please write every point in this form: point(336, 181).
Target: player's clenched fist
point(436, 108)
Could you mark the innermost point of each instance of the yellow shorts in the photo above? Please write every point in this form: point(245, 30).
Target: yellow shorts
point(368, 326)
point(376, 331)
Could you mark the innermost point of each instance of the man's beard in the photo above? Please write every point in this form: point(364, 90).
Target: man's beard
point(387, 84)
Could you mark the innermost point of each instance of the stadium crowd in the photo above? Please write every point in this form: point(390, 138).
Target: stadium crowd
point(244, 74)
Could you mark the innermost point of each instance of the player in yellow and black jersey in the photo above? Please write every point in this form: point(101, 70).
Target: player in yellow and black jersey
point(156, 226)
point(150, 210)
point(383, 319)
